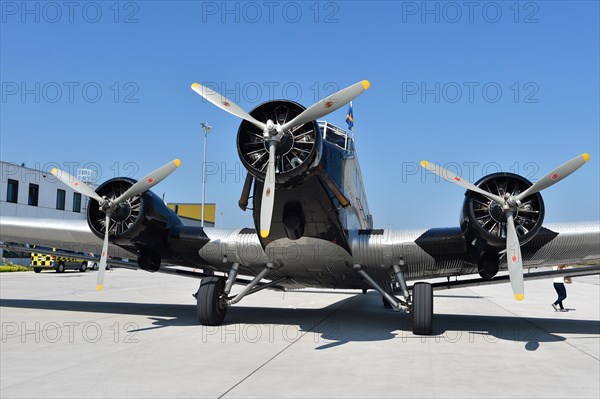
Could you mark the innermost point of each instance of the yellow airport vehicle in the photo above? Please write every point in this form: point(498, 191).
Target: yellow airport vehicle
point(59, 263)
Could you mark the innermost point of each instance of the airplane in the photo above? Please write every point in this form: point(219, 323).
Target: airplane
point(312, 224)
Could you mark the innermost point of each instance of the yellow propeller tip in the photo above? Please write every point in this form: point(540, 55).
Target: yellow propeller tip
point(264, 233)
point(195, 85)
point(177, 162)
point(519, 297)
point(586, 157)
point(424, 164)
point(366, 84)
point(54, 171)
point(99, 287)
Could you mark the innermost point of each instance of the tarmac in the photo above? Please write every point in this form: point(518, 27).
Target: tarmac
point(140, 338)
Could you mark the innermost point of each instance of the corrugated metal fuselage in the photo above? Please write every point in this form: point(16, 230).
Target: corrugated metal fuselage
point(335, 238)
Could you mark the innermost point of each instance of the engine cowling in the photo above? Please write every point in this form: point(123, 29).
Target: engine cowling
point(298, 152)
point(485, 220)
point(140, 224)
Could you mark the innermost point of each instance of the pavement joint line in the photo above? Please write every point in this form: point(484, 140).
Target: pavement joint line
point(540, 328)
point(334, 311)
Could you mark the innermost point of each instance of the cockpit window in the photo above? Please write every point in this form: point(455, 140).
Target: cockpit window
point(335, 135)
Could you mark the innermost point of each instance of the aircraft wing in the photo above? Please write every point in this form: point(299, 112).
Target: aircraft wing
point(66, 234)
point(426, 253)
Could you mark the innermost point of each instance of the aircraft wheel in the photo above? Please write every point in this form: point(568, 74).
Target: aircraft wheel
point(210, 306)
point(422, 309)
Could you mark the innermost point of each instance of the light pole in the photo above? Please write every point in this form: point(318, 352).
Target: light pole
point(207, 130)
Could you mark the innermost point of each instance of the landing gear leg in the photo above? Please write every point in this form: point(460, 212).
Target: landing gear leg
point(388, 299)
point(212, 298)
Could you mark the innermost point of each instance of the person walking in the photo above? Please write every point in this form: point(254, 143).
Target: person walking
point(559, 286)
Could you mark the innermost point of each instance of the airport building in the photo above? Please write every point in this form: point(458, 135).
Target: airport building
point(191, 214)
point(27, 192)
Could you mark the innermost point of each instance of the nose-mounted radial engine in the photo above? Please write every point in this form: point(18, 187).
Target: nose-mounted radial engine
point(506, 210)
point(280, 140)
point(298, 149)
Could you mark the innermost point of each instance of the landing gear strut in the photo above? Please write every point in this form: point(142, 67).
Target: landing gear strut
point(420, 304)
point(212, 298)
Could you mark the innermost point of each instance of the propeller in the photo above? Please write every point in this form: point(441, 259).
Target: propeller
point(104, 255)
point(510, 204)
point(225, 104)
point(274, 132)
point(109, 206)
point(268, 197)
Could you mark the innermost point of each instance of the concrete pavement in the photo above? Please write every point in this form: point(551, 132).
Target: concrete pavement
point(140, 337)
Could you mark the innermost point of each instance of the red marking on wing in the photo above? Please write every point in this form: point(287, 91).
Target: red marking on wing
point(554, 176)
point(457, 178)
point(76, 184)
point(268, 193)
point(514, 259)
point(329, 104)
point(225, 103)
point(150, 180)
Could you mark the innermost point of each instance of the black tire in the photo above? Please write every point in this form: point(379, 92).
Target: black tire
point(95, 266)
point(37, 269)
point(211, 309)
point(422, 309)
point(60, 268)
point(83, 267)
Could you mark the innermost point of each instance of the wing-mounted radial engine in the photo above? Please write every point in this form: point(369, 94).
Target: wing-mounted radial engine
point(279, 141)
point(484, 222)
point(127, 213)
point(502, 212)
point(298, 151)
point(139, 223)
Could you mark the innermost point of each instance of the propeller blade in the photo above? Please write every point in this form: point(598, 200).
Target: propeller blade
point(268, 196)
point(76, 184)
point(225, 104)
point(328, 105)
point(104, 255)
point(452, 178)
point(149, 181)
point(513, 258)
point(555, 176)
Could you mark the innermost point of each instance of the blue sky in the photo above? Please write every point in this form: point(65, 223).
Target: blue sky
point(477, 88)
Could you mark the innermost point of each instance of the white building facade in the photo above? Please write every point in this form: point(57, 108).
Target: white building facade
point(27, 192)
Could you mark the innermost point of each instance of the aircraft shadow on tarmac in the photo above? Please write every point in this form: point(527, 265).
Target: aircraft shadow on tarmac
point(354, 319)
